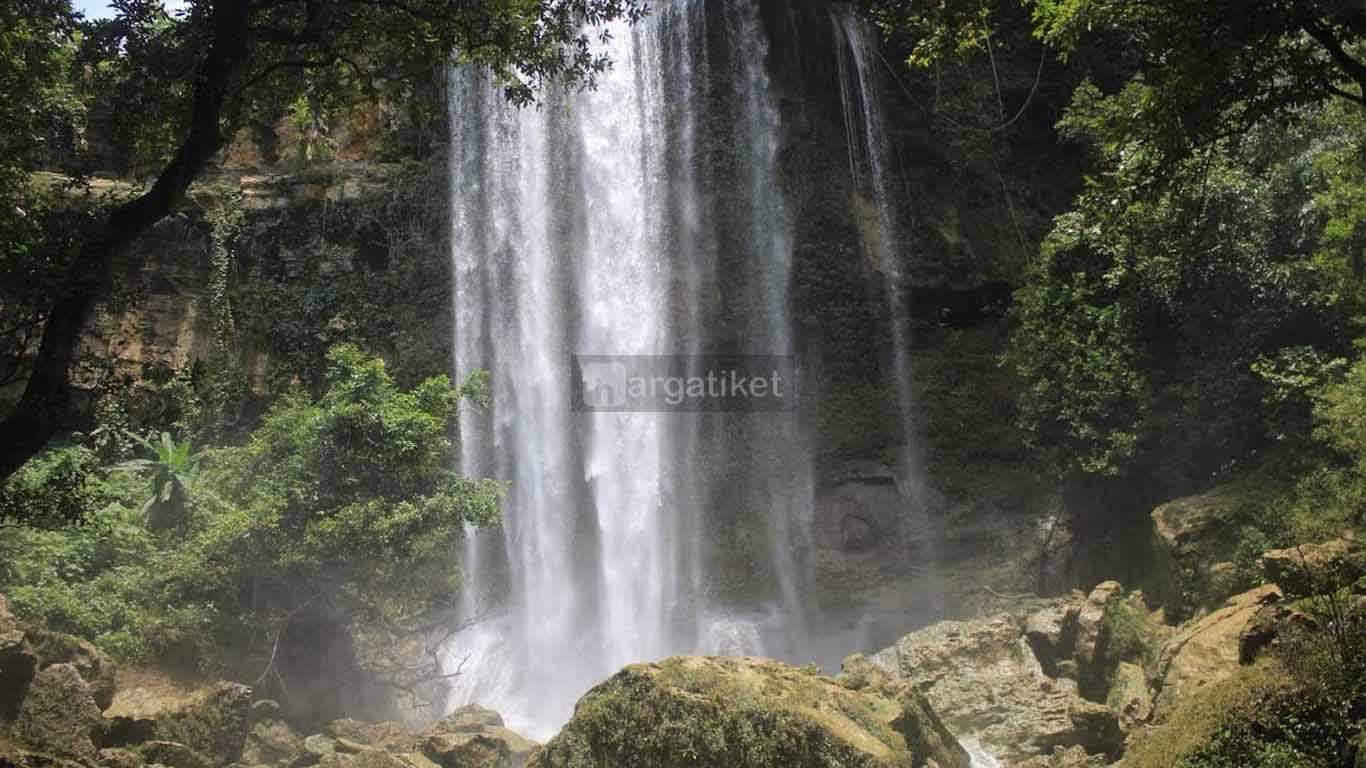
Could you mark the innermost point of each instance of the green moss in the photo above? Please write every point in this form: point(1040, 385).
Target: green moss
point(740, 713)
point(1125, 635)
point(1198, 718)
point(215, 725)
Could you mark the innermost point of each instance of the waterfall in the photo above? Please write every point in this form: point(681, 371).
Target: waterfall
point(598, 223)
point(869, 161)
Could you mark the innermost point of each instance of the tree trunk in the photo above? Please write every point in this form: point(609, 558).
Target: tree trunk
point(42, 410)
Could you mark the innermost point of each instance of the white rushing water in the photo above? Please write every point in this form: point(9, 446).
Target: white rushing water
point(591, 225)
point(645, 217)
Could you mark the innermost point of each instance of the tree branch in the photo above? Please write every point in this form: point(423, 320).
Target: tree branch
point(42, 409)
point(1344, 60)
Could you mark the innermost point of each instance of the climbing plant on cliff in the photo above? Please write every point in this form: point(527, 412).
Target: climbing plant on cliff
point(221, 60)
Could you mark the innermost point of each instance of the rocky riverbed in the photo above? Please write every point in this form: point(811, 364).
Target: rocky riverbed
point(1042, 683)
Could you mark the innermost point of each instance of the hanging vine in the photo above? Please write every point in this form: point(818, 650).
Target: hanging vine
point(226, 222)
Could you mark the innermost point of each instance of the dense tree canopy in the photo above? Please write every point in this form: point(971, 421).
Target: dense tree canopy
point(1207, 281)
point(1204, 68)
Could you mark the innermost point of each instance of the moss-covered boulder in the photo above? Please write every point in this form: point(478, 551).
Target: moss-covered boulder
point(467, 750)
point(95, 666)
point(213, 720)
point(746, 713)
point(1207, 650)
point(1192, 535)
point(59, 715)
point(272, 741)
point(18, 662)
point(475, 737)
point(1310, 569)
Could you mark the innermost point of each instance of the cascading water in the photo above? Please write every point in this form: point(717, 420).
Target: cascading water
point(595, 225)
point(869, 158)
point(869, 164)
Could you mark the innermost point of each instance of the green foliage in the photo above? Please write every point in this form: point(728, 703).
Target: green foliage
point(1206, 283)
point(1311, 724)
point(172, 472)
point(1125, 636)
point(389, 295)
point(336, 491)
point(1164, 320)
point(41, 117)
point(53, 490)
point(128, 80)
point(344, 503)
point(226, 221)
point(1341, 415)
point(1209, 68)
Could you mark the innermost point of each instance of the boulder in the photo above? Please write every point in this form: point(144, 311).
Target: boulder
point(453, 740)
point(467, 750)
point(22, 758)
point(213, 720)
point(417, 760)
point(1190, 536)
point(320, 746)
point(1098, 728)
point(1207, 650)
point(117, 757)
point(173, 755)
point(271, 741)
point(1129, 694)
point(1104, 591)
point(95, 666)
point(468, 719)
point(1313, 568)
point(59, 715)
point(1052, 633)
point(394, 737)
point(18, 662)
point(983, 678)
point(1070, 757)
point(1267, 626)
point(1089, 622)
point(375, 758)
point(857, 673)
point(746, 713)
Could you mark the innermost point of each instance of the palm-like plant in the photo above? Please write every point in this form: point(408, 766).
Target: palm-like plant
point(172, 472)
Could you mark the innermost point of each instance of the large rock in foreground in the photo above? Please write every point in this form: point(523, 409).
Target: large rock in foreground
point(746, 713)
point(1207, 650)
point(1312, 569)
point(213, 720)
point(983, 678)
point(1192, 535)
point(59, 714)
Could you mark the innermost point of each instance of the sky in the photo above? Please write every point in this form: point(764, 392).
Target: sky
point(99, 9)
